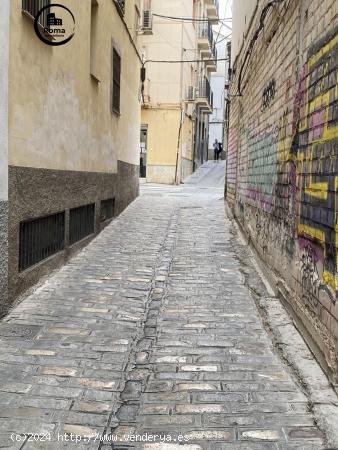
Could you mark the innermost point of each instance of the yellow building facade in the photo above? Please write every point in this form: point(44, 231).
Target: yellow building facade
point(179, 56)
point(73, 128)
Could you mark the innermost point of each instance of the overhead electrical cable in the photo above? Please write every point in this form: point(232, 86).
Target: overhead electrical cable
point(224, 38)
point(183, 61)
point(191, 19)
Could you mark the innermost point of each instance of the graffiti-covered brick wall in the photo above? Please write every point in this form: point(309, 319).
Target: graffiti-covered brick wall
point(282, 169)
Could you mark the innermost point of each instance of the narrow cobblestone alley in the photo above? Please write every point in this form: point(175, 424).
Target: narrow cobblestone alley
point(151, 329)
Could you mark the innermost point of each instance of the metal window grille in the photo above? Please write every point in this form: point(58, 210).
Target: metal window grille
point(121, 4)
point(116, 63)
point(81, 222)
point(191, 93)
point(41, 238)
point(204, 91)
point(203, 30)
point(107, 209)
point(34, 6)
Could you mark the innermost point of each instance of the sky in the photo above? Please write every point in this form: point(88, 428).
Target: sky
point(225, 5)
point(225, 12)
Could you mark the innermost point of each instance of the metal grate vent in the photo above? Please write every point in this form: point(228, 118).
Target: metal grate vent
point(81, 222)
point(107, 209)
point(121, 6)
point(32, 7)
point(41, 238)
point(147, 20)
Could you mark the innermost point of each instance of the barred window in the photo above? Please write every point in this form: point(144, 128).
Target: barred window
point(41, 238)
point(81, 222)
point(116, 82)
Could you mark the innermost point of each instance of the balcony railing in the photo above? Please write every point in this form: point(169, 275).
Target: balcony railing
point(214, 51)
point(205, 32)
point(204, 91)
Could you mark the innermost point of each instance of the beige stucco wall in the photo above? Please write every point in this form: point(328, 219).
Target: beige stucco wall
point(163, 126)
point(167, 42)
point(60, 117)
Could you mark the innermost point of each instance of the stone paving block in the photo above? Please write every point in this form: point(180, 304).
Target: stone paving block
point(37, 352)
point(20, 426)
point(197, 387)
point(40, 402)
point(220, 397)
point(291, 397)
point(59, 371)
point(159, 386)
point(84, 418)
point(160, 397)
point(165, 446)
point(28, 413)
point(308, 433)
point(171, 421)
point(97, 395)
point(80, 430)
point(200, 409)
point(247, 446)
point(155, 409)
point(54, 391)
point(257, 420)
point(198, 368)
point(260, 434)
point(69, 331)
point(16, 388)
point(303, 446)
point(211, 435)
point(92, 407)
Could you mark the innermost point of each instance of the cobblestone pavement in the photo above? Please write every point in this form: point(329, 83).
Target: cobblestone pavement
point(150, 330)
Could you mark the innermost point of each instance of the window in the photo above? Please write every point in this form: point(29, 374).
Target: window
point(116, 82)
point(32, 7)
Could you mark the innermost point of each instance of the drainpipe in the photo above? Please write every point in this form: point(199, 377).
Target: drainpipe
point(178, 152)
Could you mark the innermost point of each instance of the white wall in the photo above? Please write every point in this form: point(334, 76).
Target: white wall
point(4, 40)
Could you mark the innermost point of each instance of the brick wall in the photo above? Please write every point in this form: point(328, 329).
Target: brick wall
point(282, 171)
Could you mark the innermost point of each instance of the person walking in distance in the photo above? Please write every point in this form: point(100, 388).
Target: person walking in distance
point(216, 150)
